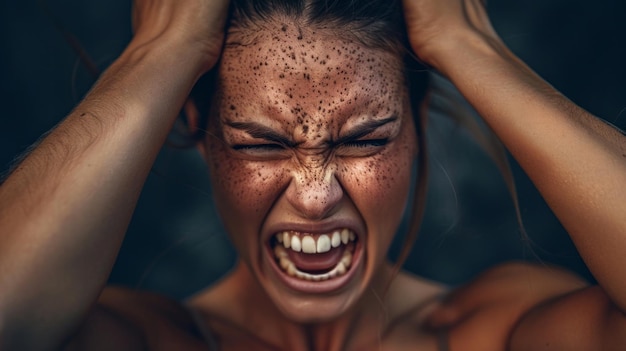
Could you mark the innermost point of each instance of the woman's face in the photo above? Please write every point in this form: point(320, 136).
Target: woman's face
point(310, 153)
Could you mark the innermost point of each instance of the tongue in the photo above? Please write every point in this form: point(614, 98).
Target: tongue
point(316, 262)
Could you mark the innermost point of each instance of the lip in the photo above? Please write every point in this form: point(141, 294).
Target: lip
point(322, 227)
point(320, 287)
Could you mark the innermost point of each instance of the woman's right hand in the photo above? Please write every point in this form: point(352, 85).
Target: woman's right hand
point(65, 209)
point(197, 23)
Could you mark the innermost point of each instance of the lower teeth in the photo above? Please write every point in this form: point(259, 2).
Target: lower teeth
point(340, 269)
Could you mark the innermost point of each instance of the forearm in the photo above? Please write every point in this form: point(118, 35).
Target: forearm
point(577, 162)
point(65, 209)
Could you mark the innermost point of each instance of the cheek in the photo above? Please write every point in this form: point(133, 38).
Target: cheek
point(379, 187)
point(244, 190)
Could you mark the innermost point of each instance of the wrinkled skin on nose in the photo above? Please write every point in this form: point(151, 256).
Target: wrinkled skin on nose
point(314, 190)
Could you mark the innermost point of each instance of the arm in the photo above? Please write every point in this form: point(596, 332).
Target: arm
point(577, 162)
point(65, 209)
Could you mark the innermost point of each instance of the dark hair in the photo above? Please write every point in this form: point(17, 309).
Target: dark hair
point(377, 24)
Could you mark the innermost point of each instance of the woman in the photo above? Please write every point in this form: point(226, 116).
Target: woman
point(309, 141)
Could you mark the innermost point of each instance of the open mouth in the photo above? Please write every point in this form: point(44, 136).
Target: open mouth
point(315, 257)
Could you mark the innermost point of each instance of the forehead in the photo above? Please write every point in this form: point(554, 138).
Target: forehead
point(286, 73)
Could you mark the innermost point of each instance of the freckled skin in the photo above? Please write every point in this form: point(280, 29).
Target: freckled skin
point(313, 88)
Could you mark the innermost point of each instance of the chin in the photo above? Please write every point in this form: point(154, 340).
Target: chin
point(316, 308)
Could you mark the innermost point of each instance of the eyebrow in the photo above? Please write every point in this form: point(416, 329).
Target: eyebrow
point(365, 129)
point(260, 131)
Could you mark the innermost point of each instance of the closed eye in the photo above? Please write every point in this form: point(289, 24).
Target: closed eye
point(366, 143)
point(258, 147)
point(361, 148)
point(261, 152)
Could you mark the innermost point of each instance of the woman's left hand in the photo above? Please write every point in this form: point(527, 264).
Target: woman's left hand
point(576, 161)
point(435, 26)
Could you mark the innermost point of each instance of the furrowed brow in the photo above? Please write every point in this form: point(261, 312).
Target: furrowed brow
point(260, 131)
point(365, 129)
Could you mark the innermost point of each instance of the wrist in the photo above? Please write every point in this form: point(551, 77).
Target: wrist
point(461, 50)
point(171, 53)
point(146, 86)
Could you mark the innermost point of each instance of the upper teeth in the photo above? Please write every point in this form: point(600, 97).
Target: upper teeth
point(309, 243)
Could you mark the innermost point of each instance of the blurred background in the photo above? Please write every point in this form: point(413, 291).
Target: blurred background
point(176, 245)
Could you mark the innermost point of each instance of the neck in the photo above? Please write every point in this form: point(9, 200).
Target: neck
point(360, 326)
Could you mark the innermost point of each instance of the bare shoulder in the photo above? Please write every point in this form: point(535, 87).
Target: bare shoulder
point(514, 306)
point(581, 320)
point(482, 314)
point(518, 279)
point(125, 319)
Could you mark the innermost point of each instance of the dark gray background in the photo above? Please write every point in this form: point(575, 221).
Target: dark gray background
point(175, 244)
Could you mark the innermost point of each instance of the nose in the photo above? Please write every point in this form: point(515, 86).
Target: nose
point(314, 190)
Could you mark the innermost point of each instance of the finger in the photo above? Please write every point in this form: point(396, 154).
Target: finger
point(218, 12)
point(478, 11)
point(134, 20)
